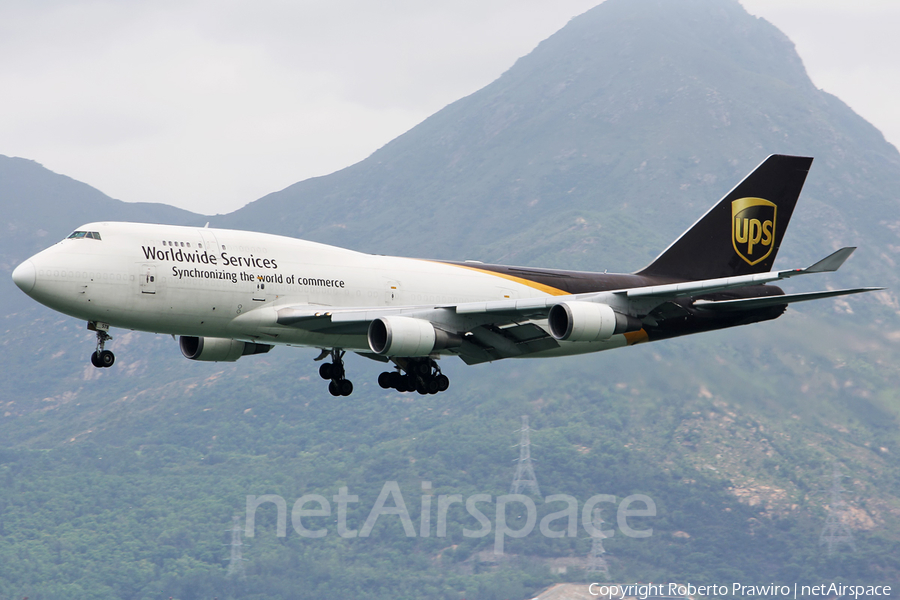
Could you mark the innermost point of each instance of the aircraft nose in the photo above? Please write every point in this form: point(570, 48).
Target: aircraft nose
point(23, 276)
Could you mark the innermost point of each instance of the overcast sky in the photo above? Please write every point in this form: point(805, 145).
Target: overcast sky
point(210, 104)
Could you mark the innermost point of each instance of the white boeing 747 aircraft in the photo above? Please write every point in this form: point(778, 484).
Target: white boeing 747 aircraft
point(229, 294)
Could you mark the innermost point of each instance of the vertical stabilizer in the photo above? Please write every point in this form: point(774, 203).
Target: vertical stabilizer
point(741, 234)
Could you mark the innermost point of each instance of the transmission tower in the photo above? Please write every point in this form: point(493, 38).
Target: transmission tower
point(596, 563)
point(524, 478)
point(236, 565)
point(836, 529)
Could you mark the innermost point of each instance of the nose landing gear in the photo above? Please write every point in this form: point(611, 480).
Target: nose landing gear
point(101, 357)
point(339, 386)
point(423, 375)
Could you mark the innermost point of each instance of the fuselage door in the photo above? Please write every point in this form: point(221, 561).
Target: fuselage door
point(261, 294)
point(147, 279)
point(392, 293)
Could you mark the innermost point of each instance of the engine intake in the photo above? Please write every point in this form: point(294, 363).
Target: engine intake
point(588, 322)
point(218, 349)
point(406, 336)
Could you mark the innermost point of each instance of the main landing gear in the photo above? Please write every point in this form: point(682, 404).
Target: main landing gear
point(101, 358)
point(422, 375)
point(335, 372)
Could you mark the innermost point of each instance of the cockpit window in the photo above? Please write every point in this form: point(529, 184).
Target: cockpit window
point(77, 235)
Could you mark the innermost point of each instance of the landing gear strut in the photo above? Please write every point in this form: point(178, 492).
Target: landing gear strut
point(423, 375)
point(101, 357)
point(335, 372)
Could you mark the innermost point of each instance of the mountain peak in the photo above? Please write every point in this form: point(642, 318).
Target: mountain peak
point(669, 39)
point(636, 116)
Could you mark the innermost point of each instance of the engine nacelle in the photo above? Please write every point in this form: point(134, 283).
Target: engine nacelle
point(218, 349)
point(406, 336)
point(588, 322)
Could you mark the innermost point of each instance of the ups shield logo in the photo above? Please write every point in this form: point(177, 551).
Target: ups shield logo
point(753, 228)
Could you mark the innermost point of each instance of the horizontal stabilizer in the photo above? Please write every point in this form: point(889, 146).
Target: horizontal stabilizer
point(832, 262)
point(751, 303)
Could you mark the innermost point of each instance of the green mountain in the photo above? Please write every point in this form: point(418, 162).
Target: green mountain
point(594, 151)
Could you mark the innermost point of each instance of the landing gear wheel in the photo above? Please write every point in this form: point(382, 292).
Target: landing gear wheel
point(103, 359)
point(443, 382)
point(325, 370)
point(106, 358)
point(337, 370)
point(396, 380)
point(432, 385)
point(338, 386)
point(423, 368)
point(384, 380)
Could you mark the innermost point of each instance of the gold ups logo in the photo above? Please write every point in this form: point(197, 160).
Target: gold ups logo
point(753, 228)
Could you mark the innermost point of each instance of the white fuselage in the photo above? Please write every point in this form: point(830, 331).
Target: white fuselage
point(227, 284)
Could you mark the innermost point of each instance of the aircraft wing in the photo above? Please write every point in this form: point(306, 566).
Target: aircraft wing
point(489, 336)
point(336, 320)
point(652, 296)
point(751, 303)
point(504, 328)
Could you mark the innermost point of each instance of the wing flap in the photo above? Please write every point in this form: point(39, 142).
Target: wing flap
point(488, 343)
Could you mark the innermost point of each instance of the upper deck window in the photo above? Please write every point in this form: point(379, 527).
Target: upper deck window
point(91, 235)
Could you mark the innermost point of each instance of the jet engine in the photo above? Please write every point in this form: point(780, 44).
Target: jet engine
point(218, 349)
point(406, 336)
point(588, 322)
